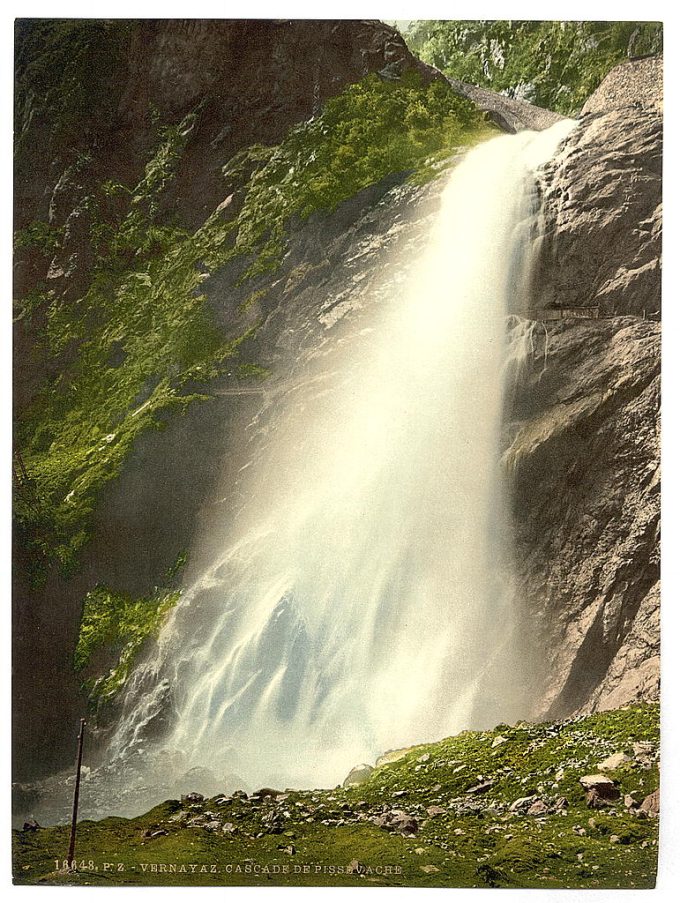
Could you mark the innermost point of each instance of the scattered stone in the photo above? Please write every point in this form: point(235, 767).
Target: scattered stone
point(399, 793)
point(419, 851)
point(523, 803)
point(182, 815)
point(615, 761)
point(499, 741)
point(538, 808)
point(630, 802)
point(193, 798)
point(561, 803)
point(614, 838)
point(290, 849)
point(458, 832)
point(435, 810)
point(482, 787)
point(643, 749)
point(154, 831)
point(229, 828)
point(268, 793)
point(424, 758)
point(651, 804)
point(396, 820)
point(429, 869)
point(31, 825)
point(358, 775)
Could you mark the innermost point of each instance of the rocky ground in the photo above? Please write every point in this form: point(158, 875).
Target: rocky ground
point(572, 803)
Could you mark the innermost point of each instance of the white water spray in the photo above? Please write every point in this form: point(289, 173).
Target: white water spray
point(363, 599)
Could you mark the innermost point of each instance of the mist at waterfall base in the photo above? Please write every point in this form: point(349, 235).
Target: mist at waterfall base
point(360, 597)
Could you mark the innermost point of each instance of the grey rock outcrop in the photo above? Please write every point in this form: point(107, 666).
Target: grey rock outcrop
point(583, 458)
point(602, 201)
point(635, 83)
point(584, 437)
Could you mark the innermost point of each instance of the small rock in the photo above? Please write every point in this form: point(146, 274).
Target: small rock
point(193, 798)
point(31, 825)
point(498, 741)
point(614, 838)
point(268, 793)
point(419, 851)
point(392, 755)
point(643, 749)
point(154, 831)
point(228, 828)
point(458, 832)
point(435, 810)
point(538, 808)
point(424, 758)
point(358, 775)
point(600, 789)
point(481, 787)
point(595, 780)
point(522, 803)
point(615, 761)
point(561, 803)
point(429, 869)
point(651, 804)
point(630, 802)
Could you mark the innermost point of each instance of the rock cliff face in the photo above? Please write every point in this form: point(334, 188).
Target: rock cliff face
point(585, 441)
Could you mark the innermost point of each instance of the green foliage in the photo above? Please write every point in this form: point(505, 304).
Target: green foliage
point(373, 128)
point(45, 237)
point(556, 65)
point(115, 622)
point(126, 351)
point(141, 331)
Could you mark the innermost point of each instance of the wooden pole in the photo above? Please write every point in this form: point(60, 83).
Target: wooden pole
point(76, 794)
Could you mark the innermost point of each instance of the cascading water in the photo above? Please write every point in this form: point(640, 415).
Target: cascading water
point(362, 598)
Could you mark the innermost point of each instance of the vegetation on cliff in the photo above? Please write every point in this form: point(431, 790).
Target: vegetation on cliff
point(556, 65)
point(498, 808)
point(140, 339)
point(114, 628)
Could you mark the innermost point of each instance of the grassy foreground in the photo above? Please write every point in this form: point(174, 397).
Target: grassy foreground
point(440, 814)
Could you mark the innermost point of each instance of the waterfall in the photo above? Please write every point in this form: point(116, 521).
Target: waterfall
point(361, 597)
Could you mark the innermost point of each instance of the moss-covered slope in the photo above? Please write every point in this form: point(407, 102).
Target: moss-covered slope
point(444, 814)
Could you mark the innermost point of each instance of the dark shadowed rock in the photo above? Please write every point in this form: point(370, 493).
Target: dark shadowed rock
point(600, 790)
